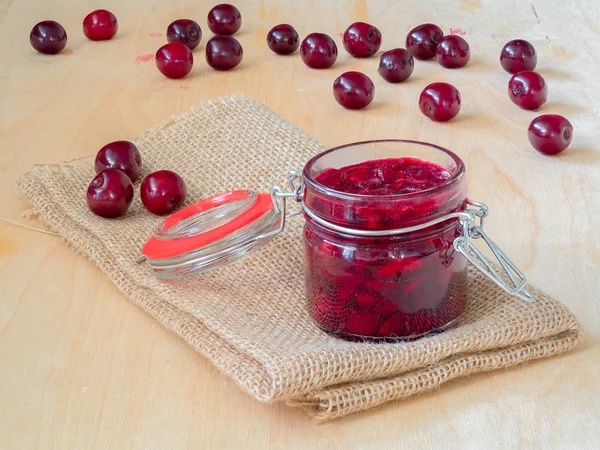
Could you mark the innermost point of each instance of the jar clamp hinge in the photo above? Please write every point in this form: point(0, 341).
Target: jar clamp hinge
point(464, 245)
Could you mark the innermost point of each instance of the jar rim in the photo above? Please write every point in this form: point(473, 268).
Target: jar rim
point(456, 175)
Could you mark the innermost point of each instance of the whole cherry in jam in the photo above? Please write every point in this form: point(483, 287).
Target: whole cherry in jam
point(452, 51)
point(122, 155)
point(185, 31)
point(440, 102)
point(224, 19)
point(362, 40)
point(48, 37)
point(518, 55)
point(550, 134)
point(528, 90)
point(223, 52)
point(318, 51)
point(283, 39)
point(162, 192)
point(110, 193)
point(100, 25)
point(396, 65)
point(422, 41)
point(174, 60)
point(353, 90)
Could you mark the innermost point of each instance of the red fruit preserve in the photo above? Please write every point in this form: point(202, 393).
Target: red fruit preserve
point(384, 286)
point(387, 237)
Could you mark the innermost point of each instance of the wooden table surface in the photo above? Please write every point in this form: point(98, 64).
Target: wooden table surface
point(82, 367)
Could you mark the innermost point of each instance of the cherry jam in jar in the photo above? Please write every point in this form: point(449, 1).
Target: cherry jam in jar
point(385, 286)
point(388, 233)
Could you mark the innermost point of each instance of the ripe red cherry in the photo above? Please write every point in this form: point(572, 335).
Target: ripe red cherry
point(48, 37)
point(440, 102)
point(185, 31)
point(396, 65)
point(518, 55)
point(174, 60)
point(528, 90)
point(362, 40)
point(318, 51)
point(283, 39)
point(353, 90)
point(224, 19)
point(100, 25)
point(452, 52)
point(423, 40)
point(223, 52)
point(122, 155)
point(550, 134)
point(110, 193)
point(162, 192)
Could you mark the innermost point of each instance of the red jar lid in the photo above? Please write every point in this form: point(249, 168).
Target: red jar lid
point(217, 229)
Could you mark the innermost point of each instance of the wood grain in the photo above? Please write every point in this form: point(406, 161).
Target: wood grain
point(81, 367)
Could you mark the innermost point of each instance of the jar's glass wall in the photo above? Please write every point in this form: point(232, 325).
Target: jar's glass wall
point(400, 286)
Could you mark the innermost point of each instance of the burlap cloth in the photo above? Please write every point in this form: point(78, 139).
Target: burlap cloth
point(249, 318)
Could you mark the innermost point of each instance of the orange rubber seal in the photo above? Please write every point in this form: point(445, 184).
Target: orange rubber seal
point(162, 249)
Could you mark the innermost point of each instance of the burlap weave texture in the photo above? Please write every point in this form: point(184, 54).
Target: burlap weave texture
point(249, 318)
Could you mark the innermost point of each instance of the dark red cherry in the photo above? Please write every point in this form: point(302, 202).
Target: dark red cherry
point(550, 134)
point(353, 90)
point(423, 40)
point(362, 40)
point(185, 31)
point(527, 90)
point(223, 52)
point(518, 55)
point(174, 60)
point(440, 102)
point(48, 37)
point(162, 192)
point(318, 51)
point(396, 65)
point(452, 52)
point(122, 155)
point(283, 39)
point(224, 19)
point(110, 193)
point(100, 25)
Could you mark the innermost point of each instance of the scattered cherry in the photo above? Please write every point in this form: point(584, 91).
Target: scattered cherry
point(423, 40)
point(185, 31)
point(122, 155)
point(162, 192)
point(362, 40)
point(353, 90)
point(527, 90)
point(318, 51)
point(224, 19)
point(174, 60)
point(396, 65)
point(550, 134)
point(110, 193)
point(452, 51)
point(440, 102)
point(283, 39)
point(48, 37)
point(223, 52)
point(518, 55)
point(100, 25)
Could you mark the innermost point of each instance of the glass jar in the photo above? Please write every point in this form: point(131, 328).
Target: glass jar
point(399, 285)
point(378, 266)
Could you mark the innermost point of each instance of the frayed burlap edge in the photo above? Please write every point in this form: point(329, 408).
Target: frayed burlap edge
point(336, 402)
